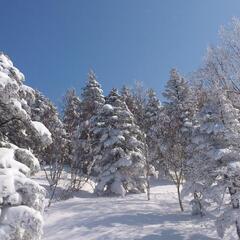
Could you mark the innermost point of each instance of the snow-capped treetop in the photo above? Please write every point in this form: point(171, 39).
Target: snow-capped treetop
point(152, 109)
point(176, 90)
point(6, 66)
point(92, 97)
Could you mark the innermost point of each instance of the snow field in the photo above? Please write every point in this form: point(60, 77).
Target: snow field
point(86, 217)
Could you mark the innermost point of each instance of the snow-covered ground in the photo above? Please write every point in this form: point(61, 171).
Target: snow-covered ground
point(87, 217)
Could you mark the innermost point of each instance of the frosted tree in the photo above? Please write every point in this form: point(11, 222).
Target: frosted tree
point(56, 154)
point(71, 111)
point(71, 115)
point(221, 62)
point(21, 199)
point(92, 97)
point(139, 96)
point(118, 149)
point(92, 101)
point(135, 98)
point(214, 164)
point(151, 121)
point(175, 124)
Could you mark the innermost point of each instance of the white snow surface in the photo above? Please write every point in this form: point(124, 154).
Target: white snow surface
point(87, 217)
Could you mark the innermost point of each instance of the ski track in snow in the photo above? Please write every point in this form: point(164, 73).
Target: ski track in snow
point(115, 218)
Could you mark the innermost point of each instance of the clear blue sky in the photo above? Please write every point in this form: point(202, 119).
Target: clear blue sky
point(55, 42)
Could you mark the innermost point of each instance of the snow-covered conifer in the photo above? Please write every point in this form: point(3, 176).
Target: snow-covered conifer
point(92, 101)
point(175, 128)
point(92, 97)
point(55, 155)
point(118, 149)
point(71, 115)
point(71, 111)
point(21, 199)
point(43, 110)
point(151, 122)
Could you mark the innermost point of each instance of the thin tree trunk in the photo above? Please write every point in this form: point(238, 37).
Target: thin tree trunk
point(148, 188)
point(179, 197)
point(238, 229)
point(235, 205)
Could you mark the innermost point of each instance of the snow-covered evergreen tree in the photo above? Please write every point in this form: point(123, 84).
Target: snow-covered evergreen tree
point(118, 149)
point(71, 111)
point(175, 128)
point(21, 199)
point(55, 155)
point(71, 115)
point(151, 122)
point(92, 101)
point(92, 97)
point(214, 166)
point(43, 110)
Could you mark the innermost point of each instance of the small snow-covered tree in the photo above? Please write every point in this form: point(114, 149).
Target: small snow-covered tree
point(92, 97)
point(21, 199)
point(175, 124)
point(92, 101)
point(118, 149)
point(214, 166)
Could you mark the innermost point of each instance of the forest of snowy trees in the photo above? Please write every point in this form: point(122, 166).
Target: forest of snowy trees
point(122, 139)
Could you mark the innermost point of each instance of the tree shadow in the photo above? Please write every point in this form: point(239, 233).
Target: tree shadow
point(199, 236)
point(169, 234)
point(137, 219)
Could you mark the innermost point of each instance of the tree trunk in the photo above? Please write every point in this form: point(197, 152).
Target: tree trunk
point(179, 197)
point(238, 229)
point(235, 205)
point(148, 188)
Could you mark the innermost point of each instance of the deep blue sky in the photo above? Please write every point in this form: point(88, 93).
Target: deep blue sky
point(55, 42)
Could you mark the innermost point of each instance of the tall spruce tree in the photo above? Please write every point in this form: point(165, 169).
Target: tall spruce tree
point(71, 117)
point(175, 128)
point(151, 120)
point(92, 101)
point(71, 111)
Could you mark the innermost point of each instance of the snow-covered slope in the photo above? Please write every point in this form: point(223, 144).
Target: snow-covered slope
point(133, 217)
